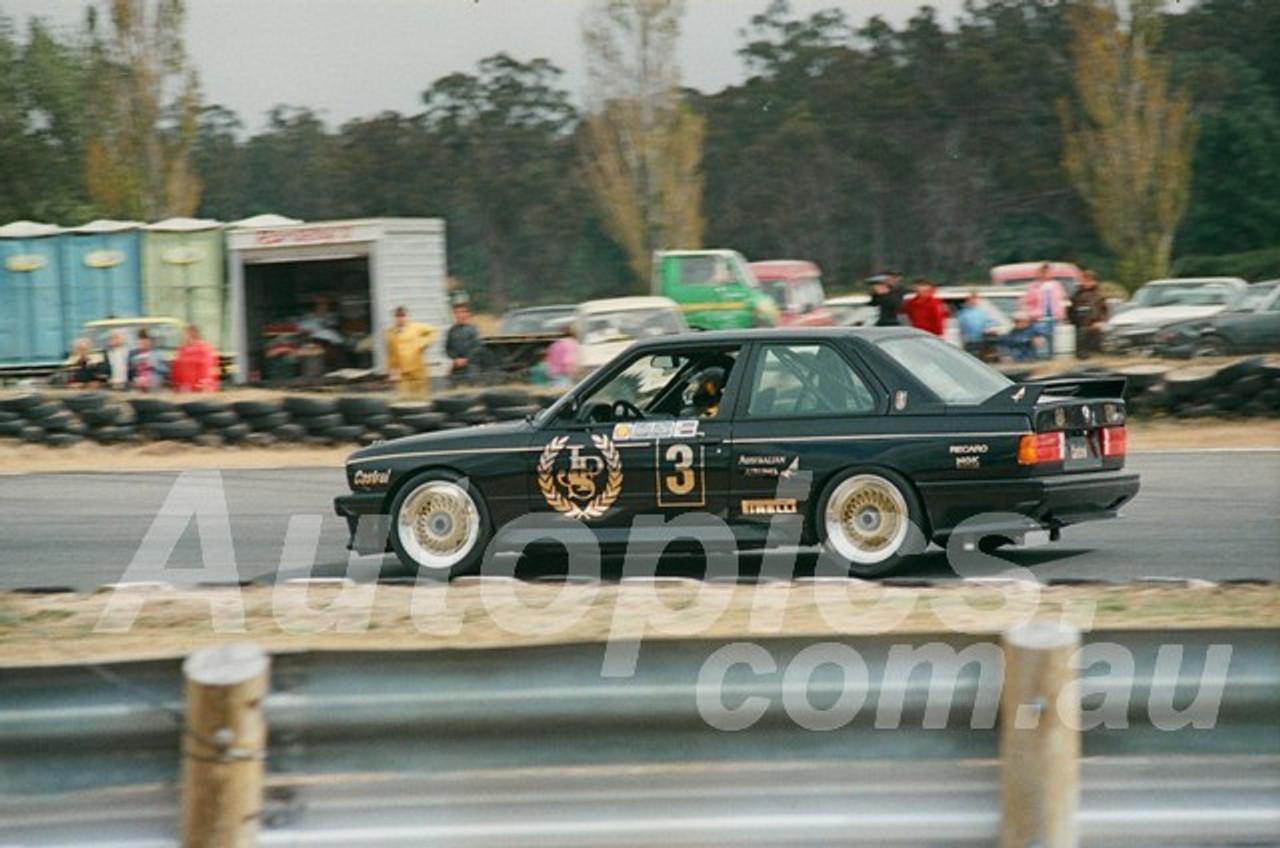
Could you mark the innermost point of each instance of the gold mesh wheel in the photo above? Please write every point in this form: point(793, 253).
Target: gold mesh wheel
point(438, 524)
point(866, 519)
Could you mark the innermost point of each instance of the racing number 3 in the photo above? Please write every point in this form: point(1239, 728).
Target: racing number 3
point(680, 475)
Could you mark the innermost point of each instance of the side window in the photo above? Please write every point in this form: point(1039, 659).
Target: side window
point(806, 380)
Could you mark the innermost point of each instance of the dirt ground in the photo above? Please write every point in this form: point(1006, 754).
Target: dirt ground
point(153, 622)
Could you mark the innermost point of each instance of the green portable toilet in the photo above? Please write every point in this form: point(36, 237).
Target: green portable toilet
point(32, 319)
point(102, 272)
point(183, 261)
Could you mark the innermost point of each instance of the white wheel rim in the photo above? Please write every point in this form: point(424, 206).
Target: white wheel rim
point(438, 524)
point(866, 519)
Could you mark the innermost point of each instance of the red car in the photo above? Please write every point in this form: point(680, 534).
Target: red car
point(796, 286)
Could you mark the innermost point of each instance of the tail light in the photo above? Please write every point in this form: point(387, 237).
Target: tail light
point(1035, 448)
point(1113, 441)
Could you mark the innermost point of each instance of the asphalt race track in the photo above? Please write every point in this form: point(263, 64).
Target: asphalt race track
point(1203, 514)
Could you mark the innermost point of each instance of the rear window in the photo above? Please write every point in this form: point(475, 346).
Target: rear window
point(951, 374)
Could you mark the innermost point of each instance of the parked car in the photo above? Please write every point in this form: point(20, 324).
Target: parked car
point(716, 289)
point(879, 440)
point(1249, 324)
point(605, 327)
point(1159, 303)
point(1023, 273)
point(796, 286)
point(536, 320)
point(852, 310)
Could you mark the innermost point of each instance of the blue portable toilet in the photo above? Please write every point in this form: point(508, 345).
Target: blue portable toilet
point(32, 323)
point(101, 272)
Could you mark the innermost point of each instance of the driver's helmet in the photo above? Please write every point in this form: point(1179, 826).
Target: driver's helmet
point(708, 387)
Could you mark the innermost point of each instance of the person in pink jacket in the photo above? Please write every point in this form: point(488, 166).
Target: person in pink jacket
point(1045, 303)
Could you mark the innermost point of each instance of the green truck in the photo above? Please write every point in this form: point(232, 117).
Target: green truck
point(716, 289)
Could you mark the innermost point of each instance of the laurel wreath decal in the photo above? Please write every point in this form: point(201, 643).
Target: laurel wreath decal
point(604, 499)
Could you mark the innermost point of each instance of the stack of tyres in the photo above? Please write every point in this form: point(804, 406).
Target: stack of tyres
point(158, 418)
point(367, 418)
point(418, 416)
point(221, 423)
point(267, 422)
point(510, 404)
point(319, 418)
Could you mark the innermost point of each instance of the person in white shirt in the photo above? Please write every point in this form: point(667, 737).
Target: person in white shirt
point(116, 361)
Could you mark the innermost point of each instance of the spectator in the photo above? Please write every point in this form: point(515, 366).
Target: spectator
point(147, 369)
point(115, 364)
point(1019, 344)
point(1089, 311)
point(407, 341)
point(924, 310)
point(1044, 301)
point(461, 344)
point(977, 328)
point(195, 365)
point(85, 372)
point(561, 360)
point(886, 296)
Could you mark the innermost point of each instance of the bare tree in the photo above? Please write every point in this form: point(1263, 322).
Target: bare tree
point(1128, 141)
point(138, 165)
point(642, 143)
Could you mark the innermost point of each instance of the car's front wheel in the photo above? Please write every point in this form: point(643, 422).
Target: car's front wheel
point(869, 522)
point(439, 525)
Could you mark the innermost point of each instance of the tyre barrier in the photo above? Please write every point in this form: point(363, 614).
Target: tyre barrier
point(1241, 389)
point(66, 418)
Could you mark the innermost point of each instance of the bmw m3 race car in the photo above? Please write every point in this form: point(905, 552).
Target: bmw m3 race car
point(867, 443)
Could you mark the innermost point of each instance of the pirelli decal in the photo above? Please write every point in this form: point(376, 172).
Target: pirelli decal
point(769, 506)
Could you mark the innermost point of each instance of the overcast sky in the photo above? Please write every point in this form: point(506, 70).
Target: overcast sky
point(355, 58)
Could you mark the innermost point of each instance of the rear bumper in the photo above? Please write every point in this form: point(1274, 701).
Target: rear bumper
point(1049, 502)
point(367, 525)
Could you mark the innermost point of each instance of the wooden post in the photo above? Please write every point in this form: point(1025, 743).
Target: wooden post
point(1040, 738)
point(224, 745)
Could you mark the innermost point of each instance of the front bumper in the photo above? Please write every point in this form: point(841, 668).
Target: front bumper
point(367, 525)
point(992, 506)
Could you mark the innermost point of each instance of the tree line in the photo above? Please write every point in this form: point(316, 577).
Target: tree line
point(940, 150)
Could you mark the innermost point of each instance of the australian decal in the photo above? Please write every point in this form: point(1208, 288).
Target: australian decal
point(578, 481)
point(769, 465)
point(26, 263)
point(181, 256)
point(103, 258)
point(770, 506)
point(371, 479)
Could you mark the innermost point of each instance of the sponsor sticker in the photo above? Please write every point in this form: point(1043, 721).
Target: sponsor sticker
point(580, 481)
point(371, 479)
point(769, 506)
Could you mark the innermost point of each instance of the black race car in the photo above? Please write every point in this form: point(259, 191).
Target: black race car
point(865, 442)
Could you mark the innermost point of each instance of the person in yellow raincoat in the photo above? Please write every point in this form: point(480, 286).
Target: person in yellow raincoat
point(407, 341)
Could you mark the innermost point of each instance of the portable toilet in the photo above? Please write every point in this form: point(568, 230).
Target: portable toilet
point(32, 319)
point(102, 272)
point(183, 261)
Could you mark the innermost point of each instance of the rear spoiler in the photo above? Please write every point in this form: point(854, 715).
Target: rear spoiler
point(1023, 396)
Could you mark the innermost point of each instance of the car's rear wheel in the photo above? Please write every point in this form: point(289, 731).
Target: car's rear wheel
point(439, 525)
point(869, 522)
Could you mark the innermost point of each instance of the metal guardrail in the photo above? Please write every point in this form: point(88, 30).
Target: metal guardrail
point(535, 746)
